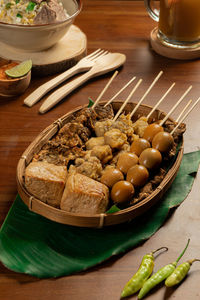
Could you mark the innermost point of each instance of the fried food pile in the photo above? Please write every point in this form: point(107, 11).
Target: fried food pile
point(94, 162)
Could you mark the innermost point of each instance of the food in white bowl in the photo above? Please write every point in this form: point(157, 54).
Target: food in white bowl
point(32, 12)
point(36, 25)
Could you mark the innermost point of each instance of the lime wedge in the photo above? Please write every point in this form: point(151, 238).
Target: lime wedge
point(20, 70)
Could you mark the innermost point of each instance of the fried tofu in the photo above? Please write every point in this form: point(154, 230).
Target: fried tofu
point(84, 195)
point(103, 153)
point(115, 138)
point(46, 181)
point(95, 141)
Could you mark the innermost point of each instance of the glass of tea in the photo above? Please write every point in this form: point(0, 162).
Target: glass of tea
point(178, 22)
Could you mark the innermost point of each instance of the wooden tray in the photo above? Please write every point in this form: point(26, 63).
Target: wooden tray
point(62, 56)
point(186, 53)
point(98, 220)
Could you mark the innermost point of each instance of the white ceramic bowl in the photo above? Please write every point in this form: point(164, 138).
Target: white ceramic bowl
point(39, 37)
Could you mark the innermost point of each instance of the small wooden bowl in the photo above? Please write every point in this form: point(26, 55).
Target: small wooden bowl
point(14, 86)
point(98, 220)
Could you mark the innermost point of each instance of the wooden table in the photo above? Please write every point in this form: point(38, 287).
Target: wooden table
point(119, 26)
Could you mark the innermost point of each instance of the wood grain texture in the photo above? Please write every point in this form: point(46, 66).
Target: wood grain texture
point(121, 26)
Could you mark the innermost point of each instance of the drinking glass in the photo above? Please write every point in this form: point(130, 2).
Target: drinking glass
point(178, 22)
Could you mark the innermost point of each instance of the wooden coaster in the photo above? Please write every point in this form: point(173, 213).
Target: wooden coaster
point(172, 52)
point(66, 53)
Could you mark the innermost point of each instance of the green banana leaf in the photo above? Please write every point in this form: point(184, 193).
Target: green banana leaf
point(32, 244)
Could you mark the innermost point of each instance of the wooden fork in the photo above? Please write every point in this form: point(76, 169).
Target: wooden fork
point(84, 64)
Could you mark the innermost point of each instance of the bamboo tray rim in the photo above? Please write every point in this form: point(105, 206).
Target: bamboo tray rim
point(30, 200)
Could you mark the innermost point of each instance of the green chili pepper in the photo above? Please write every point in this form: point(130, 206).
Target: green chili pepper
point(179, 273)
point(159, 276)
point(143, 273)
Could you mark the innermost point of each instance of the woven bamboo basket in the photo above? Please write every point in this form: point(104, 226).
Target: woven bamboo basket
point(98, 220)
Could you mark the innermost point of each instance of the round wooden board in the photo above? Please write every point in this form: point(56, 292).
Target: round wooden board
point(172, 52)
point(66, 53)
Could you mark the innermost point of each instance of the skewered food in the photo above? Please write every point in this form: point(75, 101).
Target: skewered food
point(125, 161)
point(151, 130)
point(111, 176)
point(46, 181)
point(140, 126)
point(103, 153)
point(115, 138)
point(150, 158)
point(87, 165)
point(163, 141)
point(82, 146)
point(122, 191)
point(106, 158)
point(102, 126)
point(84, 195)
point(94, 141)
point(137, 175)
point(97, 145)
point(139, 145)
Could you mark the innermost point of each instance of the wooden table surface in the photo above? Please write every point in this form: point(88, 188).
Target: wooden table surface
point(119, 26)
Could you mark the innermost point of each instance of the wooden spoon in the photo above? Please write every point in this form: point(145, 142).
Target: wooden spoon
point(103, 65)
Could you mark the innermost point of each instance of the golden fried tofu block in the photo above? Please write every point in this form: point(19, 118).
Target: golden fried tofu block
point(84, 195)
point(46, 181)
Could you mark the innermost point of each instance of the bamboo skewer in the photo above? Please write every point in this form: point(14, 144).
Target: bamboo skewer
point(175, 106)
point(182, 112)
point(159, 102)
point(126, 101)
point(115, 96)
point(187, 113)
point(105, 89)
point(145, 94)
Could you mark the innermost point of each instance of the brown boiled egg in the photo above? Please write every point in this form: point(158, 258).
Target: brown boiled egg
point(137, 175)
point(163, 141)
point(122, 191)
point(126, 161)
point(151, 131)
point(150, 158)
point(139, 145)
point(111, 176)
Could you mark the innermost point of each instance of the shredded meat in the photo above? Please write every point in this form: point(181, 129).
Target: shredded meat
point(58, 156)
point(104, 112)
point(89, 117)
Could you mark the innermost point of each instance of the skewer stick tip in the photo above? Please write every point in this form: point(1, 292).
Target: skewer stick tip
point(105, 89)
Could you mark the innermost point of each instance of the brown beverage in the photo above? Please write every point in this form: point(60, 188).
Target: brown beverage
point(179, 21)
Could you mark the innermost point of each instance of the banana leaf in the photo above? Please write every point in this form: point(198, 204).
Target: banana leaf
point(32, 244)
